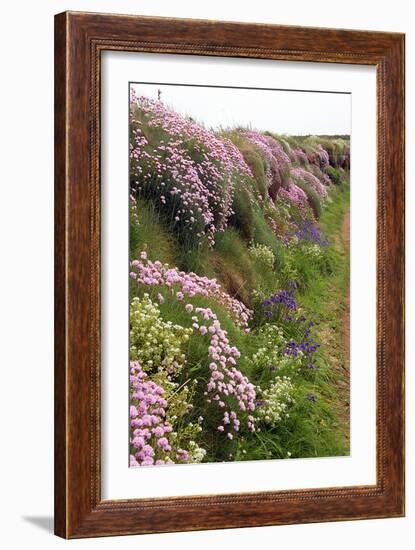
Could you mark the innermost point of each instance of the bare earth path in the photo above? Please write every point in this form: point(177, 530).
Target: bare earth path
point(341, 361)
point(334, 331)
point(346, 314)
point(343, 382)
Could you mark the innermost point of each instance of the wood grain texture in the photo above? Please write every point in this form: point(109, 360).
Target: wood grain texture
point(79, 40)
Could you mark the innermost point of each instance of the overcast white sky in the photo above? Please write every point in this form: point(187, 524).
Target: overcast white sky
point(282, 112)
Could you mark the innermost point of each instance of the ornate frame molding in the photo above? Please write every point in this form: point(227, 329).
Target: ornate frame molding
point(79, 40)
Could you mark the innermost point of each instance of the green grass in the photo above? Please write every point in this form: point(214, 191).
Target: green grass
point(325, 296)
point(243, 217)
point(311, 430)
point(151, 235)
point(313, 198)
point(263, 234)
point(335, 175)
point(233, 265)
point(317, 428)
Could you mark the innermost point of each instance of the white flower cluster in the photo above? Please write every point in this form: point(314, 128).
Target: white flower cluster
point(275, 401)
point(154, 342)
point(293, 242)
point(196, 453)
point(313, 250)
point(262, 253)
point(271, 355)
point(273, 344)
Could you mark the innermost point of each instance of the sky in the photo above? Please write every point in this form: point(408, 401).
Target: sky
point(281, 112)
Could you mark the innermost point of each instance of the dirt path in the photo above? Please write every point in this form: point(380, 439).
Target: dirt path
point(343, 380)
point(345, 233)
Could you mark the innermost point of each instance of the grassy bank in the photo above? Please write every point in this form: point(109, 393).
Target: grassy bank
point(327, 298)
point(239, 279)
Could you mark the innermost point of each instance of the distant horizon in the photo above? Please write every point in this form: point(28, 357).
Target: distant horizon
point(290, 112)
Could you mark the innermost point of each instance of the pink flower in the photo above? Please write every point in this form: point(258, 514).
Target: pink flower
point(164, 444)
point(203, 189)
point(226, 381)
point(133, 462)
point(190, 284)
point(182, 455)
point(158, 432)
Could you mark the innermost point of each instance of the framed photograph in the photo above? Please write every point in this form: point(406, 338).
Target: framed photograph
point(229, 275)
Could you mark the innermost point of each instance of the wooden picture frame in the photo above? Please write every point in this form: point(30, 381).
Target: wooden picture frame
point(79, 40)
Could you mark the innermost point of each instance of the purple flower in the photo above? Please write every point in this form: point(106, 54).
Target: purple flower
point(307, 230)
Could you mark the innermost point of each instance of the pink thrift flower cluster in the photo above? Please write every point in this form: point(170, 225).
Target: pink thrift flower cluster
point(227, 384)
point(183, 284)
point(199, 190)
point(319, 157)
point(311, 179)
point(171, 172)
point(324, 178)
point(296, 196)
point(299, 156)
point(147, 420)
point(277, 160)
point(323, 157)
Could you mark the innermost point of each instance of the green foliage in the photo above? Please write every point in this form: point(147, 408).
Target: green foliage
point(147, 232)
point(234, 265)
point(334, 175)
point(262, 254)
point(196, 259)
point(263, 233)
point(313, 199)
point(242, 218)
